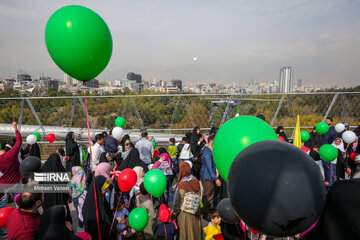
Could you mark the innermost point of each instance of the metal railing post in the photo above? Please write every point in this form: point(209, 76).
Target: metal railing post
point(277, 110)
point(343, 107)
point(35, 115)
point(21, 114)
point(84, 110)
point(137, 112)
point(292, 114)
point(330, 107)
point(72, 112)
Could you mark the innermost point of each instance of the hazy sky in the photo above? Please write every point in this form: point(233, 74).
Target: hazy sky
point(233, 40)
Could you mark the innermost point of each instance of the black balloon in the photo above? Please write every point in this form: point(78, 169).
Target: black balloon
point(226, 211)
point(30, 165)
point(276, 188)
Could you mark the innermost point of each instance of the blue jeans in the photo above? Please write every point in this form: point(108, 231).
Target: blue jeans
point(76, 204)
point(169, 193)
point(3, 203)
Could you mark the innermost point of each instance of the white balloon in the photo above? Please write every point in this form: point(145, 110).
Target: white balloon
point(31, 139)
point(339, 127)
point(118, 133)
point(349, 137)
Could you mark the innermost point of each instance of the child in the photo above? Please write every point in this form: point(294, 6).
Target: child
point(214, 226)
point(164, 165)
point(166, 227)
point(172, 149)
point(143, 200)
point(121, 215)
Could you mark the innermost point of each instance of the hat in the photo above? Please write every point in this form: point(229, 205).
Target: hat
point(357, 158)
point(143, 129)
point(190, 163)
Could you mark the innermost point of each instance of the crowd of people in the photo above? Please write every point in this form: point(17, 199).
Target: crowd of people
point(186, 210)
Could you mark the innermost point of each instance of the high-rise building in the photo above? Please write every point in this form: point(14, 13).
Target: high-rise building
point(92, 83)
point(23, 77)
point(68, 80)
point(286, 80)
point(134, 77)
point(299, 83)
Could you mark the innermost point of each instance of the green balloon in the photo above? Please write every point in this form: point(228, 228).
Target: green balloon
point(321, 128)
point(153, 143)
point(138, 219)
point(328, 152)
point(120, 122)
point(79, 41)
point(305, 136)
point(38, 135)
point(234, 136)
point(155, 182)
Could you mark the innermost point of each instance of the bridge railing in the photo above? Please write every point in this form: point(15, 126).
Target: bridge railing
point(179, 113)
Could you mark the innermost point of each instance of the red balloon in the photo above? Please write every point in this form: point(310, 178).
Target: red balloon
point(4, 215)
point(50, 137)
point(127, 179)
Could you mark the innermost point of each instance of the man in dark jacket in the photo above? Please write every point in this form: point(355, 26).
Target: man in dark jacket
point(111, 144)
point(330, 136)
point(208, 176)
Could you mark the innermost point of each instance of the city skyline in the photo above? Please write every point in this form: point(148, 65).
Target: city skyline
point(200, 41)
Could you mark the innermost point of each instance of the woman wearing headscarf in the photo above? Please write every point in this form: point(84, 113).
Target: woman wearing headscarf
point(189, 224)
point(127, 148)
point(72, 151)
point(104, 169)
point(339, 161)
point(280, 132)
point(315, 139)
point(53, 164)
point(132, 160)
point(196, 144)
point(96, 211)
point(53, 225)
point(32, 150)
point(77, 184)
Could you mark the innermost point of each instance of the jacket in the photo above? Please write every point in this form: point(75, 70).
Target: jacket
point(210, 231)
point(208, 169)
point(22, 225)
point(9, 163)
point(111, 144)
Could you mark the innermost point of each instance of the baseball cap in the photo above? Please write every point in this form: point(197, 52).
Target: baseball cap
point(143, 129)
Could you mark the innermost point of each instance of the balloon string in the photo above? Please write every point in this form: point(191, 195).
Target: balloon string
point(237, 228)
point(88, 127)
point(114, 214)
point(97, 211)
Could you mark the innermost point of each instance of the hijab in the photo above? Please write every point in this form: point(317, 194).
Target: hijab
point(52, 225)
point(123, 141)
point(103, 169)
point(281, 134)
point(53, 164)
point(195, 137)
point(132, 160)
point(139, 172)
point(103, 157)
point(340, 146)
point(186, 180)
point(355, 143)
point(69, 142)
point(78, 179)
point(162, 150)
point(104, 212)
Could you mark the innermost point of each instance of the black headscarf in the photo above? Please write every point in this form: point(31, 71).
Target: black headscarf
point(33, 150)
point(213, 130)
point(53, 164)
point(132, 160)
point(315, 139)
point(314, 155)
point(123, 140)
point(104, 211)
point(340, 166)
point(195, 148)
point(103, 157)
point(52, 225)
point(340, 217)
point(281, 134)
point(72, 151)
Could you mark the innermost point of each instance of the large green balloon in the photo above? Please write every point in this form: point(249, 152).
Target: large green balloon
point(120, 122)
point(234, 136)
point(38, 135)
point(155, 182)
point(79, 42)
point(138, 219)
point(328, 152)
point(321, 128)
point(305, 136)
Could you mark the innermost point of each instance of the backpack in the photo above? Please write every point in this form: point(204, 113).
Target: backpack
point(191, 203)
point(186, 152)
